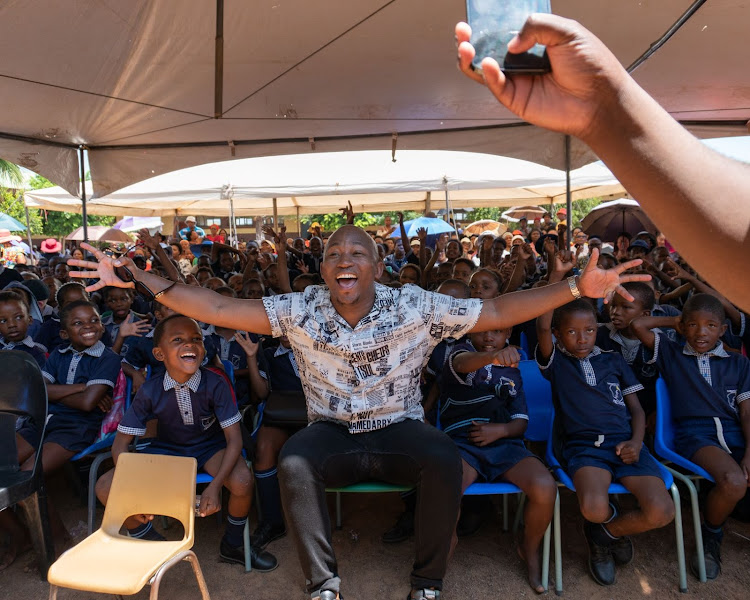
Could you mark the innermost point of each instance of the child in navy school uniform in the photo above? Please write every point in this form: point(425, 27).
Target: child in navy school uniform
point(80, 378)
point(120, 321)
point(14, 326)
point(618, 336)
point(483, 410)
point(196, 417)
point(281, 375)
point(601, 426)
point(708, 389)
point(49, 333)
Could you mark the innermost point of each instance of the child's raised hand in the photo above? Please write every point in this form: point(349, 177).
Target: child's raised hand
point(302, 267)
point(148, 240)
point(481, 434)
point(507, 357)
point(210, 501)
point(422, 234)
point(248, 345)
point(136, 328)
point(628, 451)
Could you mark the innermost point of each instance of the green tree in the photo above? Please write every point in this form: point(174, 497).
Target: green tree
point(486, 212)
point(10, 174)
point(11, 204)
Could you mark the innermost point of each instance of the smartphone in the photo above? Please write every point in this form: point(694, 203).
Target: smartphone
point(494, 23)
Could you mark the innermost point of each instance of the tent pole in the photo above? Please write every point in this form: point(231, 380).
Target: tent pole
point(299, 225)
point(275, 215)
point(568, 196)
point(84, 214)
point(427, 203)
point(28, 230)
point(448, 207)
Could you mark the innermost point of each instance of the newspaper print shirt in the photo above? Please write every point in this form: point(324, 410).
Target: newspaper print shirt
point(367, 377)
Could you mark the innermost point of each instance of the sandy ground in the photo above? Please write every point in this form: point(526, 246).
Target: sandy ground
point(484, 566)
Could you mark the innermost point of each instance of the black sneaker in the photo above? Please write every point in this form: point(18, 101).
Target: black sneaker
point(424, 594)
point(402, 530)
point(260, 561)
point(601, 563)
point(622, 551)
point(265, 533)
point(712, 554)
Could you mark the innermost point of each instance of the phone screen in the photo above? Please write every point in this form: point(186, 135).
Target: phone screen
point(494, 23)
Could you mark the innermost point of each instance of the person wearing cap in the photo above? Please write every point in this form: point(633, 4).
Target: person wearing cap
point(638, 249)
point(517, 239)
point(647, 237)
point(561, 214)
point(215, 235)
point(186, 232)
point(50, 248)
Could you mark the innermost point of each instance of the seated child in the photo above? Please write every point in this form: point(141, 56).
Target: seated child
point(602, 425)
point(708, 389)
point(14, 326)
point(49, 333)
point(483, 409)
point(485, 284)
point(618, 336)
point(80, 378)
point(196, 417)
point(282, 376)
point(120, 320)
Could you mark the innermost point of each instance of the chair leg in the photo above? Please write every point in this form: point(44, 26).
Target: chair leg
point(37, 518)
point(505, 512)
point(189, 556)
point(338, 510)
point(558, 547)
point(696, 521)
point(93, 476)
point(519, 512)
point(545, 557)
point(246, 544)
point(52, 592)
point(680, 540)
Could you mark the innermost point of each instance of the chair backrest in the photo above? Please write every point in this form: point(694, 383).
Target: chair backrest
point(22, 394)
point(152, 484)
point(228, 369)
point(538, 400)
point(664, 438)
point(524, 343)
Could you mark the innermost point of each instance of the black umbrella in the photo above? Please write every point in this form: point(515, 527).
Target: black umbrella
point(609, 219)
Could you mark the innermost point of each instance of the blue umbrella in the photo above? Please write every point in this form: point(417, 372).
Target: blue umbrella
point(432, 225)
point(8, 222)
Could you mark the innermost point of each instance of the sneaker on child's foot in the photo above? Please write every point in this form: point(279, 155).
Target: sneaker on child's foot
point(622, 551)
point(266, 533)
point(402, 530)
point(712, 554)
point(601, 563)
point(326, 595)
point(424, 594)
point(260, 561)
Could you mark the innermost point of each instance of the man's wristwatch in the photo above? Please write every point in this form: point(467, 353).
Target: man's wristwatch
point(574, 287)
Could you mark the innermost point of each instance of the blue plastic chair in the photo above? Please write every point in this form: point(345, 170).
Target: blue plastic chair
point(617, 488)
point(664, 446)
point(539, 405)
point(525, 343)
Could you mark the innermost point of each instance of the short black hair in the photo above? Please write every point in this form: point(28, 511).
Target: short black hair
point(69, 308)
point(642, 292)
point(111, 288)
point(462, 285)
point(67, 287)
point(411, 266)
point(492, 274)
point(576, 306)
point(161, 326)
point(225, 290)
point(13, 296)
point(467, 261)
point(704, 302)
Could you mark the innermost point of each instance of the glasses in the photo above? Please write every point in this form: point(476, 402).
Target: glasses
point(126, 275)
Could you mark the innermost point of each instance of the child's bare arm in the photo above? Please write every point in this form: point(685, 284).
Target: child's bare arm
point(562, 265)
point(211, 497)
point(259, 388)
point(629, 451)
point(468, 362)
point(135, 374)
point(121, 444)
point(91, 397)
point(642, 327)
point(744, 410)
point(482, 434)
point(282, 270)
point(676, 293)
point(57, 391)
point(704, 288)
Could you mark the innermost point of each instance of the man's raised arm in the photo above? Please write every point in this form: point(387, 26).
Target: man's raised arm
point(199, 303)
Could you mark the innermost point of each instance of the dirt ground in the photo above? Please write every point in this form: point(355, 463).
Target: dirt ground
point(484, 566)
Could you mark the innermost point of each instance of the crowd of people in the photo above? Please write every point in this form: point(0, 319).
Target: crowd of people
point(406, 350)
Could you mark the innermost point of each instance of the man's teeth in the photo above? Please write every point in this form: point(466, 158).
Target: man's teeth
point(347, 276)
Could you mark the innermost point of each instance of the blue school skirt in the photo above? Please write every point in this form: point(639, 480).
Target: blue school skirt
point(201, 451)
point(584, 453)
point(491, 462)
point(693, 434)
point(73, 434)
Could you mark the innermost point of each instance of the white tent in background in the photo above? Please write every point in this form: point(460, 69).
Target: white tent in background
point(324, 182)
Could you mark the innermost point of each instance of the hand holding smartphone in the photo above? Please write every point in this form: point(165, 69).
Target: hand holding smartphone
point(494, 23)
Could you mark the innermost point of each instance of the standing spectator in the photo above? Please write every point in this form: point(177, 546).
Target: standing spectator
point(216, 235)
point(190, 228)
point(50, 248)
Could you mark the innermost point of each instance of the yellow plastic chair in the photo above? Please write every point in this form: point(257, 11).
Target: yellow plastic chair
point(110, 563)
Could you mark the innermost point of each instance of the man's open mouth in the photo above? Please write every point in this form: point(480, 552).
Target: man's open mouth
point(346, 280)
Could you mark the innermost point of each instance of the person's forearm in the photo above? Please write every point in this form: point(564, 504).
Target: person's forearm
point(422, 254)
point(120, 445)
point(204, 304)
point(519, 307)
point(468, 362)
point(673, 175)
point(231, 454)
point(744, 410)
point(663, 277)
point(282, 272)
point(517, 277)
point(729, 308)
point(57, 391)
point(87, 400)
point(678, 292)
point(642, 327)
point(172, 272)
point(637, 419)
point(259, 388)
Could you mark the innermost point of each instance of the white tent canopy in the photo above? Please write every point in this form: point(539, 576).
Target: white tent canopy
point(151, 87)
point(322, 183)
